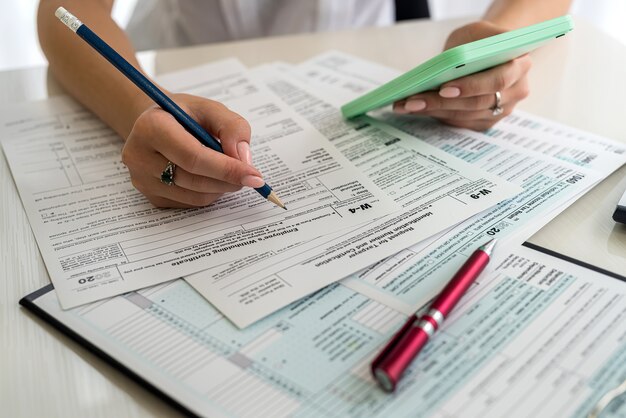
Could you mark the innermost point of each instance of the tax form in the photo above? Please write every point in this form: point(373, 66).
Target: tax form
point(554, 164)
point(534, 337)
point(100, 237)
point(436, 191)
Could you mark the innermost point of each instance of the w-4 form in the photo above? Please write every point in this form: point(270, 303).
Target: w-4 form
point(100, 237)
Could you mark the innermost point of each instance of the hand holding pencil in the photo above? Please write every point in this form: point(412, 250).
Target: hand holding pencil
point(201, 174)
point(166, 149)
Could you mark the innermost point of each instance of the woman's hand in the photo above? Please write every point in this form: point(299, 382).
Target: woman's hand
point(201, 174)
point(468, 102)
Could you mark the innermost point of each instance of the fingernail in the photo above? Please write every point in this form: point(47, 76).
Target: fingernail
point(243, 149)
point(450, 92)
point(415, 105)
point(252, 181)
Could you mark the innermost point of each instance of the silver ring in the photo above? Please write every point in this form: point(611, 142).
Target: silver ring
point(497, 109)
point(167, 175)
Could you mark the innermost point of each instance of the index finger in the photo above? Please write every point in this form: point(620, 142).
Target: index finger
point(489, 81)
point(181, 148)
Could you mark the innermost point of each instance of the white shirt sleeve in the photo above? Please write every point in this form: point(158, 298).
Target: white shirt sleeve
point(170, 23)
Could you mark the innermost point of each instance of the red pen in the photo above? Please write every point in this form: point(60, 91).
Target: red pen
point(393, 360)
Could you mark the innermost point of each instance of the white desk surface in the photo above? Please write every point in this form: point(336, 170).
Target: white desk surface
point(579, 82)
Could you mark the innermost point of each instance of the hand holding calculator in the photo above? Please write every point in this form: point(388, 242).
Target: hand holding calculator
point(461, 61)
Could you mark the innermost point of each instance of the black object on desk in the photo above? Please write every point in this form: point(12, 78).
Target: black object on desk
point(620, 211)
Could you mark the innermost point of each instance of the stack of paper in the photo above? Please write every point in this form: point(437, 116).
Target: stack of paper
point(555, 165)
point(386, 203)
point(100, 237)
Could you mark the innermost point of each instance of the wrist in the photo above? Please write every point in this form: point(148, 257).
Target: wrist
point(138, 103)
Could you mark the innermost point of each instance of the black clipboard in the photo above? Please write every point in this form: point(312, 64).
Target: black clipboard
point(29, 302)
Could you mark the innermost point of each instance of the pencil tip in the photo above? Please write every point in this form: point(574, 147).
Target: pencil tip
point(275, 200)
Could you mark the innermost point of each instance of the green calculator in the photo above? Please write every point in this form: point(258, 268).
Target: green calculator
point(460, 61)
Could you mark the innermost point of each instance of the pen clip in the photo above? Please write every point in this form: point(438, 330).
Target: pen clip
point(410, 322)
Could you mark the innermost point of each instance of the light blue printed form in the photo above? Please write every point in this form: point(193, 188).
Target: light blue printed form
point(536, 336)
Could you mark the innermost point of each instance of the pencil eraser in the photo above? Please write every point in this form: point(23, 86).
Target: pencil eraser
point(60, 12)
point(69, 19)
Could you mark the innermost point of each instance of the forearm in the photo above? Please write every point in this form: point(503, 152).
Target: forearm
point(513, 14)
point(82, 71)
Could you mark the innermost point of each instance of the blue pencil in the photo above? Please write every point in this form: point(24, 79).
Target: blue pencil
point(151, 90)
